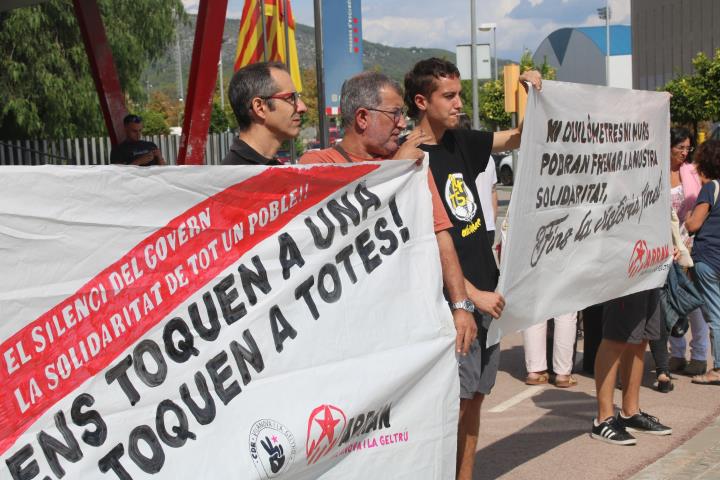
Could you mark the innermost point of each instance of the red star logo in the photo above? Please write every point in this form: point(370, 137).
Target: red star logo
point(327, 425)
point(640, 252)
point(322, 425)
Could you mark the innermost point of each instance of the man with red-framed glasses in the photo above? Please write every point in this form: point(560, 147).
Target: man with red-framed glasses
point(268, 110)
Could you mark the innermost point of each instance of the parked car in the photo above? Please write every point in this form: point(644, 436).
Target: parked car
point(498, 156)
point(283, 156)
point(505, 170)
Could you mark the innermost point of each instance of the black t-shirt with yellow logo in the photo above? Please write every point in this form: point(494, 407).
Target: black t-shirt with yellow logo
point(456, 162)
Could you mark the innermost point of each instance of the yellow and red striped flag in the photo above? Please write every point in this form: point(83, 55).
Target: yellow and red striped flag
point(250, 37)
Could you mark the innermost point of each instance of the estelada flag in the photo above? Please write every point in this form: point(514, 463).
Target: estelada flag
point(250, 37)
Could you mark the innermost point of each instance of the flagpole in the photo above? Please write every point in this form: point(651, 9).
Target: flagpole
point(320, 72)
point(287, 38)
point(261, 3)
point(286, 20)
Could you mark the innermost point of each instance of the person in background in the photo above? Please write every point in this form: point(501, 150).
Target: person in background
point(534, 340)
point(133, 150)
point(684, 188)
point(704, 222)
point(486, 183)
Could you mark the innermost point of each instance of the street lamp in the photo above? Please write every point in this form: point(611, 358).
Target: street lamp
point(220, 72)
point(486, 27)
point(605, 13)
point(473, 69)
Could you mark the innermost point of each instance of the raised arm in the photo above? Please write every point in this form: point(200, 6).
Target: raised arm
point(510, 139)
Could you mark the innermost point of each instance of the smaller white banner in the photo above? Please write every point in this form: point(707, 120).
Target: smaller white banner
point(589, 219)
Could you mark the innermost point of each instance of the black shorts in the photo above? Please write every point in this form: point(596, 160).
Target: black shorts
point(633, 318)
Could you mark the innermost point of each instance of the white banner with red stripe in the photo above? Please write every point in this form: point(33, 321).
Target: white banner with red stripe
point(219, 322)
point(589, 218)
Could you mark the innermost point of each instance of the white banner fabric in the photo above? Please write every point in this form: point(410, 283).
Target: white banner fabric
point(589, 217)
point(223, 322)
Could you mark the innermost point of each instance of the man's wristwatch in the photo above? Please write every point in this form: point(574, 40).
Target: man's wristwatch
point(466, 305)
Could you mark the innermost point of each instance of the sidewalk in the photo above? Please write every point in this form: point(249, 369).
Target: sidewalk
point(698, 458)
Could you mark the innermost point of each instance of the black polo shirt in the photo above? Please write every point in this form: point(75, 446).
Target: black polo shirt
point(127, 151)
point(243, 154)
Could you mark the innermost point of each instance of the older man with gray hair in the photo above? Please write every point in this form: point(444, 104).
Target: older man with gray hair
point(371, 106)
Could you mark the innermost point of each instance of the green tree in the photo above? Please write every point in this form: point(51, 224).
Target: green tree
point(230, 116)
point(707, 71)
point(687, 105)
point(547, 71)
point(169, 107)
point(154, 123)
point(310, 97)
point(46, 90)
point(491, 101)
point(696, 97)
point(218, 120)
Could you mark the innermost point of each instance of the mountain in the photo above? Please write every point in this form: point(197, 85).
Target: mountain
point(392, 61)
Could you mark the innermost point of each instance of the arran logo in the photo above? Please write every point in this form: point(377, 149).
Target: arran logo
point(644, 258)
point(325, 425)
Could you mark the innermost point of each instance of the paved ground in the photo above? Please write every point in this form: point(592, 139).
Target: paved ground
point(542, 432)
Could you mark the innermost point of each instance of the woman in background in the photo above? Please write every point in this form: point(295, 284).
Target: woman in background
point(684, 188)
point(704, 221)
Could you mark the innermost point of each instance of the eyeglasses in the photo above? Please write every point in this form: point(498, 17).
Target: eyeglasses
point(397, 114)
point(293, 98)
point(685, 149)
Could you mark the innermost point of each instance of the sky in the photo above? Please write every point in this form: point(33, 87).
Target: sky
point(520, 24)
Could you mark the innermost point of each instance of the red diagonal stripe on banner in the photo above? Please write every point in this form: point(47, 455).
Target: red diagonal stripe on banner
point(223, 210)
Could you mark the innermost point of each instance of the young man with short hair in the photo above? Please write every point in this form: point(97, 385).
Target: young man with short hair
point(133, 150)
point(432, 95)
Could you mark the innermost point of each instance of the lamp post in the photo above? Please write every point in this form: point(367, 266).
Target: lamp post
point(605, 14)
point(222, 87)
point(473, 69)
point(486, 27)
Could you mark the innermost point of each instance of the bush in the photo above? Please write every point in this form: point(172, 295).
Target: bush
point(154, 123)
point(218, 120)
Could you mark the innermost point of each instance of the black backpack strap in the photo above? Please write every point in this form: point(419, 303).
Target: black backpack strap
point(342, 152)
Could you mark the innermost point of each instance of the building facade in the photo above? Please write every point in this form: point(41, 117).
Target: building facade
point(667, 34)
point(579, 55)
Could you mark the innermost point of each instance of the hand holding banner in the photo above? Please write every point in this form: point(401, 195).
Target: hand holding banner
point(589, 218)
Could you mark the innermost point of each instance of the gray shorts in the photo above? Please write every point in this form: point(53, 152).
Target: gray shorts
point(479, 367)
point(633, 318)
